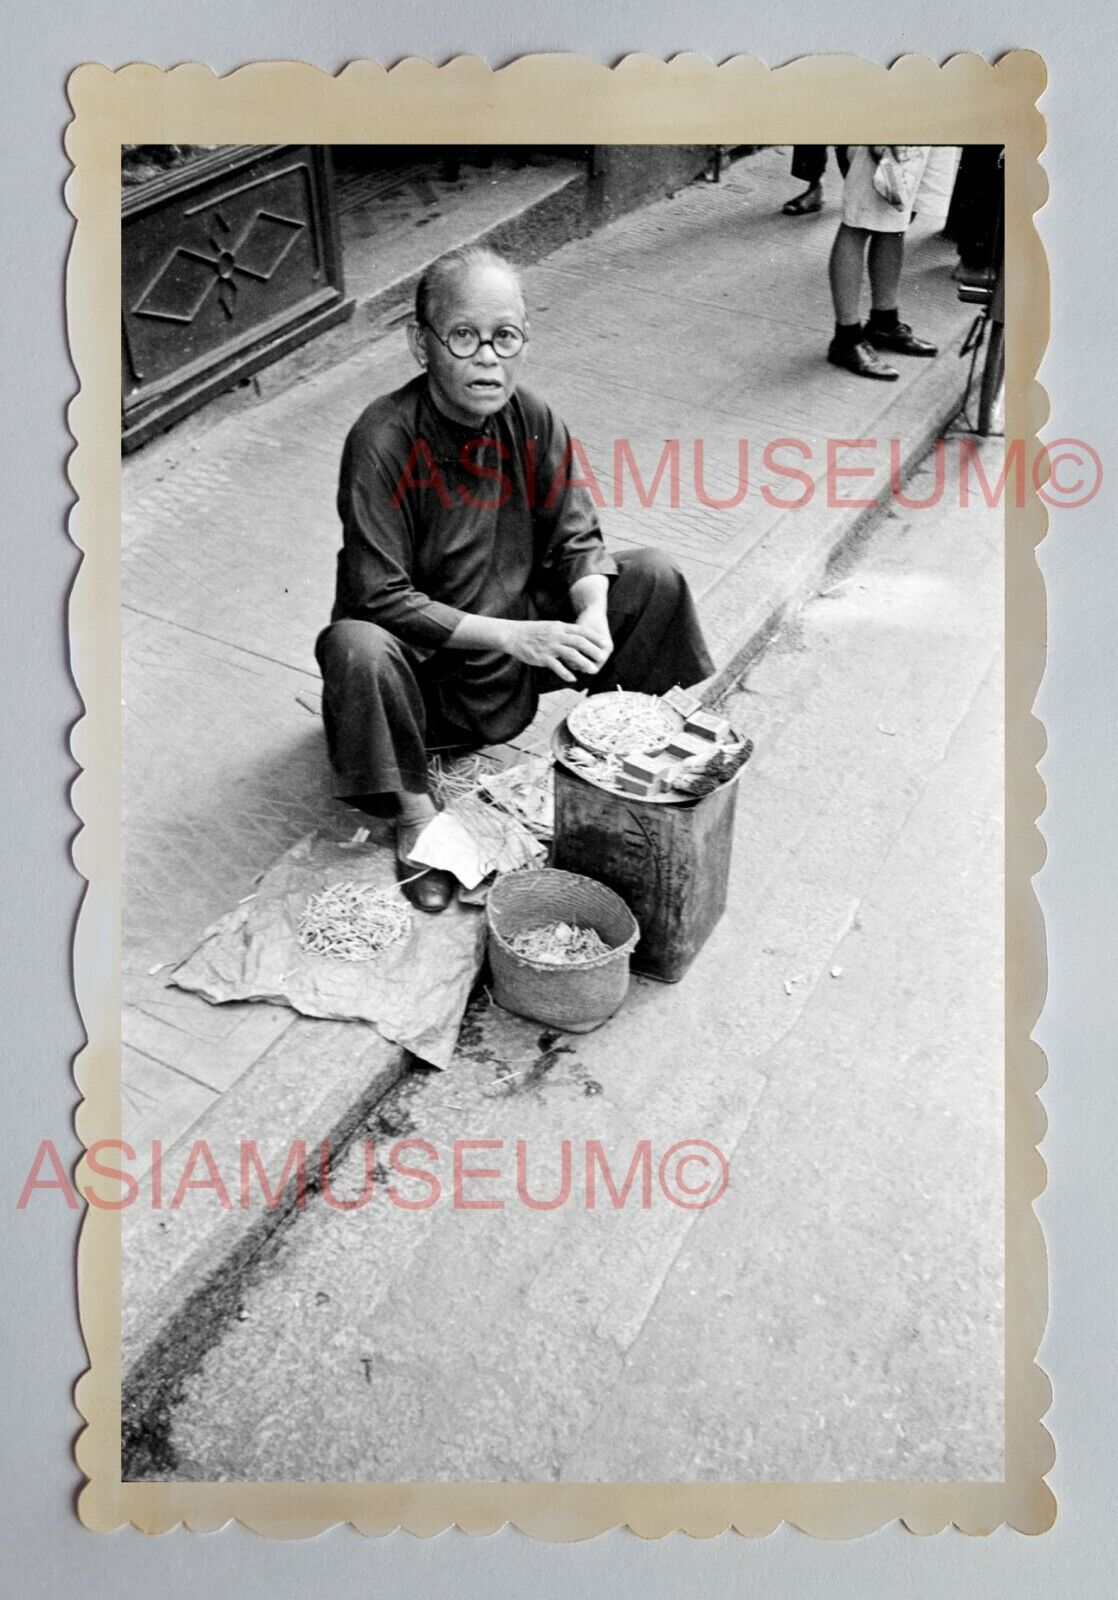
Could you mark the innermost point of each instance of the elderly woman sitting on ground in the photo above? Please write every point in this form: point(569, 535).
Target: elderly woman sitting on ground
point(473, 574)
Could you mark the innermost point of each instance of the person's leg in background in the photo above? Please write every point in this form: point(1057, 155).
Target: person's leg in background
point(870, 227)
point(809, 162)
point(885, 330)
point(972, 217)
point(849, 347)
point(937, 166)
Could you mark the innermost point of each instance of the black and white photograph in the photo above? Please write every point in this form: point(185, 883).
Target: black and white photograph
point(563, 962)
point(556, 785)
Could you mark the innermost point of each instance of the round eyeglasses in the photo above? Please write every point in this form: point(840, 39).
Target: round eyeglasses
point(463, 341)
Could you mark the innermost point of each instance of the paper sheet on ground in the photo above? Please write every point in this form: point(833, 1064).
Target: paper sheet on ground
point(473, 840)
point(414, 994)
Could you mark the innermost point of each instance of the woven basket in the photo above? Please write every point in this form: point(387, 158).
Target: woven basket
point(575, 998)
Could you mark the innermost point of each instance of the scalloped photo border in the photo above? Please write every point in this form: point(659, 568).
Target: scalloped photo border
point(546, 99)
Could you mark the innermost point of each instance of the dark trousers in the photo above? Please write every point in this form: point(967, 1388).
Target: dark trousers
point(380, 714)
point(809, 161)
point(972, 221)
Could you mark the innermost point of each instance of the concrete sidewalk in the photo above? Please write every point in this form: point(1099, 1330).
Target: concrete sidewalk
point(837, 1314)
point(703, 317)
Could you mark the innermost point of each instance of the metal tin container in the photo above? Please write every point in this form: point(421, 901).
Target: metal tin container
point(669, 860)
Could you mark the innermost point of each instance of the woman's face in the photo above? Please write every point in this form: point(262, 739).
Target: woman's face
point(472, 388)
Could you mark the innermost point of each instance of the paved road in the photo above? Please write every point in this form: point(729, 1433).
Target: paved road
point(837, 1314)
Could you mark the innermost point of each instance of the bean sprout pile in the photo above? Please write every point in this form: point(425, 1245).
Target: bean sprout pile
point(353, 922)
point(622, 724)
point(602, 770)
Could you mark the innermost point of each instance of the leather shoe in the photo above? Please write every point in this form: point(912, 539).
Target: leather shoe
point(901, 340)
point(862, 359)
point(429, 889)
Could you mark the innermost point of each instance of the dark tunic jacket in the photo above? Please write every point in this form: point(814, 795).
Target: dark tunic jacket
point(441, 519)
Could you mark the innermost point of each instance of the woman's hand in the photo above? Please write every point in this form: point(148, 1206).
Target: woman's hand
point(565, 648)
point(595, 623)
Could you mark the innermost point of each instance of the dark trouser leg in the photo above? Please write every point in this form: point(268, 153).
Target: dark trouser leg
point(657, 640)
point(373, 710)
point(809, 162)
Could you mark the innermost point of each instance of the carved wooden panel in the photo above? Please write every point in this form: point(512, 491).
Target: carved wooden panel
point(226, 264)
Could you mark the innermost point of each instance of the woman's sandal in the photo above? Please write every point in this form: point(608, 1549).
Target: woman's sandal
point(801, 206)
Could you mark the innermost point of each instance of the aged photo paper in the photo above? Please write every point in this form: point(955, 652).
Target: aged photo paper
point(488, 1120)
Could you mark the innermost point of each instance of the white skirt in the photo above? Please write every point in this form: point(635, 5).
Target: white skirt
point(863, 207)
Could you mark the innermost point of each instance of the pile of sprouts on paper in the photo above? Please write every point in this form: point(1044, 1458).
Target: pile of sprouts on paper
point(353, 922)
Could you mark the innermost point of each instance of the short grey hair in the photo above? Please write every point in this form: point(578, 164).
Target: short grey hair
point(441, 273)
